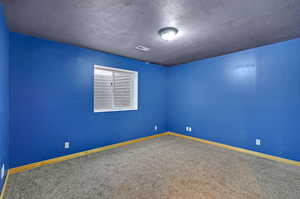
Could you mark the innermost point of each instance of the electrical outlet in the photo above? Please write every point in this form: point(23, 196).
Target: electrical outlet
point(155, 127)
point(187, 128)
point(2, 171)
point(258, 142)
point(67, 145)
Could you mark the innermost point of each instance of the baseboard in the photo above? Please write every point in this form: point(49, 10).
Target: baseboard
point(262, 155)
point(4, 186)
point(76, 155)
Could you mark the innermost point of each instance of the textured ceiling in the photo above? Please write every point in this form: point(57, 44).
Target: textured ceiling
point(207, 28)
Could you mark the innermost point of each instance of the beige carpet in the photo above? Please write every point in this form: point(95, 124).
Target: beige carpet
point(165, 167)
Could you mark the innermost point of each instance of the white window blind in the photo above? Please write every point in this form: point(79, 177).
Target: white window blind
point(115, 89)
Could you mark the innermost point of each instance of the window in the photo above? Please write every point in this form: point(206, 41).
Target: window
point(115, 89)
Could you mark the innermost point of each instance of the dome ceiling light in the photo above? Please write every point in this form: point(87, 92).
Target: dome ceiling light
point(168, 33)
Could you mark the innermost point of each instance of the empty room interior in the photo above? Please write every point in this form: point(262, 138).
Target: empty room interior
point(150, 99)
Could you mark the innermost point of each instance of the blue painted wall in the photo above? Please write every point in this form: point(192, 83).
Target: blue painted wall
point(236, 98)
point(4, 93)
point(231, 99)
point(52, 101)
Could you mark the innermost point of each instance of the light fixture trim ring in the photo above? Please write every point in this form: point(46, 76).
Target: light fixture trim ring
point(168, 30)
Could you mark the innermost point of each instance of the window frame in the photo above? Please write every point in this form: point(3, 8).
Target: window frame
point(135, 89)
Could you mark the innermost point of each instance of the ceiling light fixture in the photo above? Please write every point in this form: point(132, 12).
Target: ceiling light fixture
point(168, 33)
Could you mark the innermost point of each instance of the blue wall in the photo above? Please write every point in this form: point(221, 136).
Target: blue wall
point(231, 99)
point(4, 93)
point(236, 98)
point(52, 101)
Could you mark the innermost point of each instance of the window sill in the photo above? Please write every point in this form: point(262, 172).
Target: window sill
point(114, 110)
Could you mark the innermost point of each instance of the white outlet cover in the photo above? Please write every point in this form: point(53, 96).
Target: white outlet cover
point(257, 141)
point(187, 128)
point(67, 145)
point(155, 127)
point(190, 130)
point(2, 171)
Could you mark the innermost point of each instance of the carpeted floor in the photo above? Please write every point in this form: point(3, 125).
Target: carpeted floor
point(167, 167)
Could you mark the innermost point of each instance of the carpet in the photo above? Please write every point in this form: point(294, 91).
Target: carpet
point(166, 167)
